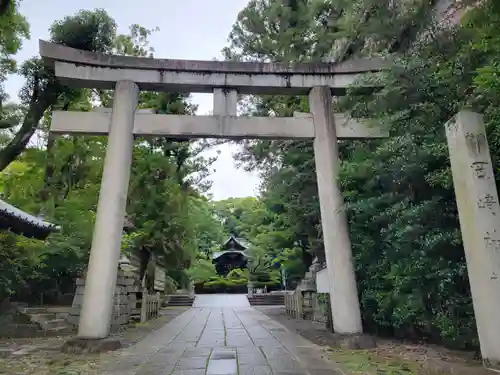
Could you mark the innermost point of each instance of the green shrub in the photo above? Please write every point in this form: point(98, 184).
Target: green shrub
point(238, 274)
point(222, 285)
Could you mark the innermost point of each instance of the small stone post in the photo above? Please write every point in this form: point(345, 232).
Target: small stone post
point(479, 214)
point(250, 289)
point(343, 290)
point(100, 283)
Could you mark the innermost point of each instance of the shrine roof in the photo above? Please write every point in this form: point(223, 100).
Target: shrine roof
point(23, 223)
point(217, 254)
point(235, 243)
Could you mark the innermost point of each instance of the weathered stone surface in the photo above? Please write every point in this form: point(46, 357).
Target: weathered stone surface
point(222, 367)
point(356, 342)
point(76, 67)
point(189, 372)
point(6, 352)
point(191, 363)
point(81, 345)
point(254, 370)
point(193, 344)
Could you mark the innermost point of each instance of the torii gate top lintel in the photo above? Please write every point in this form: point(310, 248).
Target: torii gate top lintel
point(90, 69)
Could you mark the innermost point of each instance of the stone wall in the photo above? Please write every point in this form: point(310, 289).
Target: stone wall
point(310, 300)
point(308, 305)
point(124, 300)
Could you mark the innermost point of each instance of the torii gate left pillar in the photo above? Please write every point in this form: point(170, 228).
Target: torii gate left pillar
point(100, 282)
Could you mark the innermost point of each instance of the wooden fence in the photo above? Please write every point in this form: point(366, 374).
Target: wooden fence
point(294, 304)
point(150, 305)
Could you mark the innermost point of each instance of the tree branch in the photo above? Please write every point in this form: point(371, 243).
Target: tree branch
point(39, 103)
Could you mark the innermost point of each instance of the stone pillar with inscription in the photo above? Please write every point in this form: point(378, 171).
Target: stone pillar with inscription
point(479, 213)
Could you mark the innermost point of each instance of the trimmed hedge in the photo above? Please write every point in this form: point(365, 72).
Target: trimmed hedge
point(234, 286)
point(222, 286)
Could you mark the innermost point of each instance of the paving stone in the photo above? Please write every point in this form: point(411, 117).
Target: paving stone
point(269, 342)
point(222, 367)
point(188, 372)
point(180, 346)
point(197, 352)
point(211, 344)
point(239, 343)
point(218, 354)
point(155, 370)
point(285, 365)
point(255, 370)
point(249, 350)
point(251, 360)
point(191, 363)
point(275, 352)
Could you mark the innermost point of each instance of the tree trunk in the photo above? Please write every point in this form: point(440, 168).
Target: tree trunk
point(38, 105)
point(4, 5)
point(49, 169)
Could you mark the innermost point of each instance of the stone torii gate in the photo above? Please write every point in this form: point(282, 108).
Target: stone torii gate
point(127, 75)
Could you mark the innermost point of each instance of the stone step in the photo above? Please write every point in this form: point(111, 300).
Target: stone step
point(43, 317)
point(60, 331)
point(265, 299)
point(55, 324)
point(33, 310)
point(50, 319)
point(181, 300)
point(180, 304)
point(269, 300)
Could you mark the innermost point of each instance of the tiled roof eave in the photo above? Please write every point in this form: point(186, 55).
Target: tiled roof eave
point(15, 213)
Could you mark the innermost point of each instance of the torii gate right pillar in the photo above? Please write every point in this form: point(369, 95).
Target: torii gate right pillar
point(344, 300)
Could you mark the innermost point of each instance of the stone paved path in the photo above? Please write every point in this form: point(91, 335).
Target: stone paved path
point(221, 341)
point(221, 300)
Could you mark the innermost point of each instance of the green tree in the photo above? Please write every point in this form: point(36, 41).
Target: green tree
point(172, 221)
point(202, 270)
point(88, 30)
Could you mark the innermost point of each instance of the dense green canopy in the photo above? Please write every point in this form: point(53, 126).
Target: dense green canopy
point(399, 196)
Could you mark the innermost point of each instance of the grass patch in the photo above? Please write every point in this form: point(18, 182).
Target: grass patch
point(49, 364)
point(365, 362)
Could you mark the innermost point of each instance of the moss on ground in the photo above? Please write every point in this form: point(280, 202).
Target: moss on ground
point(365, 362)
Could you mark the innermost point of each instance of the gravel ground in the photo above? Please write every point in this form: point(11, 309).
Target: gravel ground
point(42, 356)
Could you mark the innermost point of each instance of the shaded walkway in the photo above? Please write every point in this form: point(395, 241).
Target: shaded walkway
point(220, 341)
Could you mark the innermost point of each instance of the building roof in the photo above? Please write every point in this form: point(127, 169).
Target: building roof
point(217, 254)
point(20, 222)
point(232, 245)
point(235, 243)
